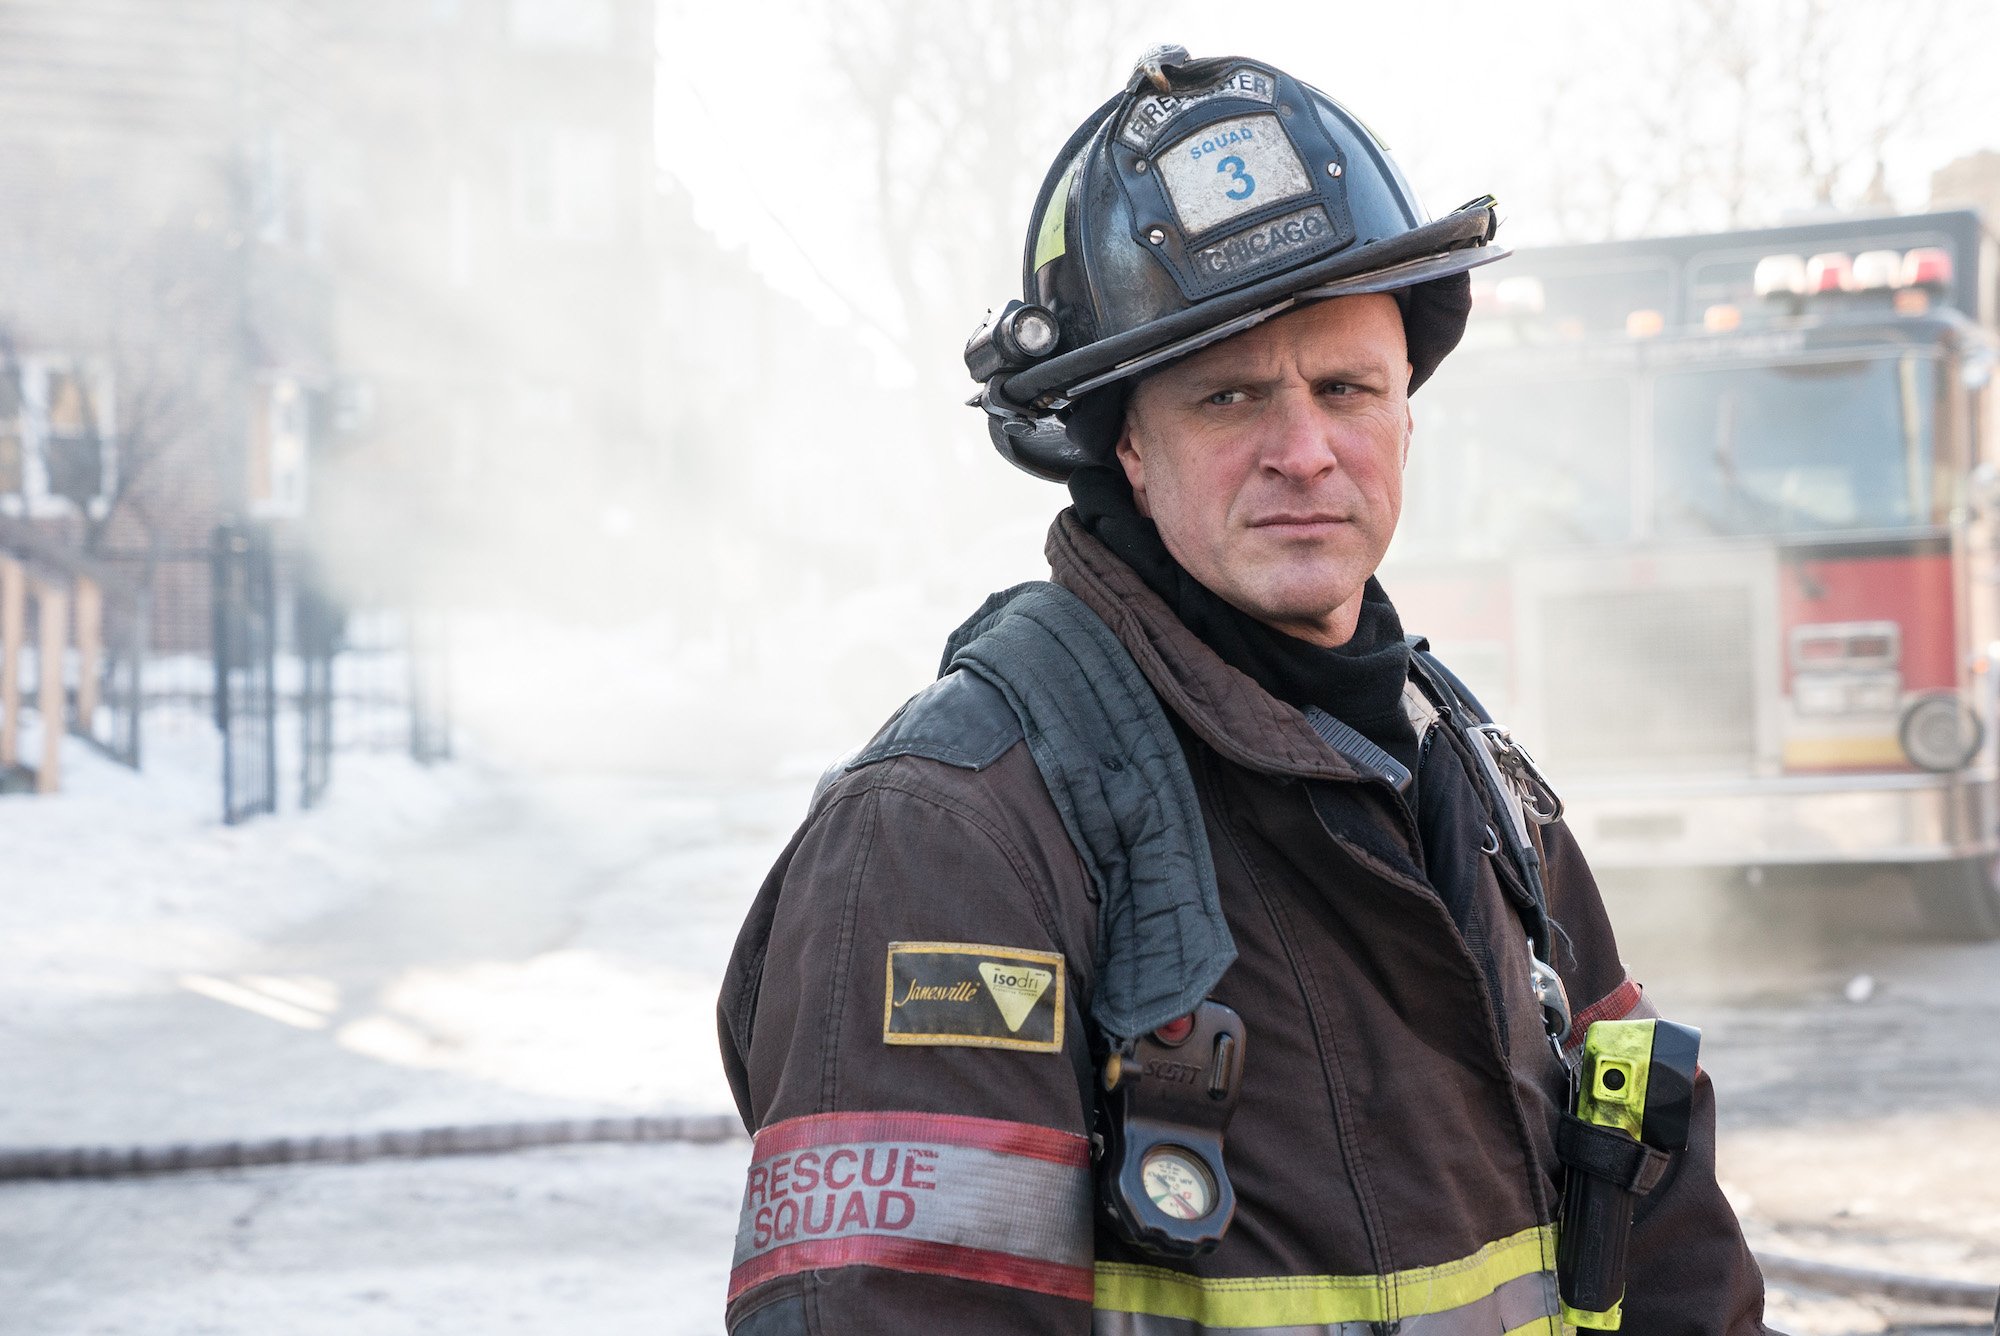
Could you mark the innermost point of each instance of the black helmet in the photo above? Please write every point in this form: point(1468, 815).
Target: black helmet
point(1206, 197)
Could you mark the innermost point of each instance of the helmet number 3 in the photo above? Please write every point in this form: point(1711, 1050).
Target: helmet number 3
point(1242, 184)
point(1229, 169)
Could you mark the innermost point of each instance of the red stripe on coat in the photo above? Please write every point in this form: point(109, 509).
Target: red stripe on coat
point(914, 1255)
point(950, 1129)
point(1616, 1005)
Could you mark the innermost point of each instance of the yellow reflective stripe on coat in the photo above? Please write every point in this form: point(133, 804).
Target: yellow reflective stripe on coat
point(1512, 1279)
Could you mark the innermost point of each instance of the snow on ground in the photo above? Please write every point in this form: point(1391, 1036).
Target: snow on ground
point(125, 874)
point(459, 944)
point(434, 945)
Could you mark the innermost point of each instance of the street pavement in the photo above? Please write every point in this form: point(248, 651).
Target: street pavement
point(1857, 1065)
point(517, 949)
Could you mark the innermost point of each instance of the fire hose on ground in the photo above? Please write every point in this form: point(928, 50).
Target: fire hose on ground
point(1862, 1282)
point(72, 1162)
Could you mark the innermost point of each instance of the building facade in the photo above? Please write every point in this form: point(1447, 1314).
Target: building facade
point(163, 293)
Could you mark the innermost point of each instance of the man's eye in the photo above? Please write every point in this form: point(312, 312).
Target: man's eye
point(1339, 388)
point(1223, 398)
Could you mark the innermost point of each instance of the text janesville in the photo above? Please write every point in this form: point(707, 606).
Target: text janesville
point(958, 992)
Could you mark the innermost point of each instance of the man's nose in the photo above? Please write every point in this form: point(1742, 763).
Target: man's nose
point(1300, 444)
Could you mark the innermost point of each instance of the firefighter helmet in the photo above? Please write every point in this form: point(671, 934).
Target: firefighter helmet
point(1207, 196)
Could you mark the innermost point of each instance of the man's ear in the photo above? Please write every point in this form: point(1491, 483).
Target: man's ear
point(1409, 417)
point(1135, 467)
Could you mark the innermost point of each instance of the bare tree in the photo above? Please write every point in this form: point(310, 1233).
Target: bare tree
point(128, 298)
point(162, 412)
point(964, 105)
point(164, 341)
point(1731, 113)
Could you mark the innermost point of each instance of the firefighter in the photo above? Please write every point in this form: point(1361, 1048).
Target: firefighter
point(1190, 956)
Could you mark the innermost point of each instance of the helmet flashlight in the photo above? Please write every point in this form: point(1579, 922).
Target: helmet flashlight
point(1011, 340)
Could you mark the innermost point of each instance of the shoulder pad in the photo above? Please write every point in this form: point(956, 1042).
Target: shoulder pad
point(961, 719)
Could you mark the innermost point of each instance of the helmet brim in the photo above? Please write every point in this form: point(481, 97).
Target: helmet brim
point(1451, 245)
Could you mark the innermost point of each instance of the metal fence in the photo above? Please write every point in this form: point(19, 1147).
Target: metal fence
point(243, 636)
point(245, 657)
point(317, 624)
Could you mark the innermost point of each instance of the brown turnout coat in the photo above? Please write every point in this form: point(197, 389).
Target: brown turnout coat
point(1392, 1154)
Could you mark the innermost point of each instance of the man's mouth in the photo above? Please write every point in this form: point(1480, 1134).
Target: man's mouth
point(1301, 522)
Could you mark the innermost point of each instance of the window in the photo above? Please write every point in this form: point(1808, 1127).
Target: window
point(58, 440)
point(565, 184)
point(579, 24)
point(1809, 447)
point(73, 451)
point(280, 440)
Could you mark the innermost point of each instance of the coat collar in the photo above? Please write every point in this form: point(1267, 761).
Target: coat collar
point(1225, 709)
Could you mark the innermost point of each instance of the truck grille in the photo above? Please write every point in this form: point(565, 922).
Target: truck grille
point(1646, 678)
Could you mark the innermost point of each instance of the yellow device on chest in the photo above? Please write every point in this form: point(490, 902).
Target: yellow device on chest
point(1635, 1096)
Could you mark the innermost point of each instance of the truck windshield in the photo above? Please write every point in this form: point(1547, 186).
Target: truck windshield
point(1509, 465)
point(1806, 448)
point(1499, 466)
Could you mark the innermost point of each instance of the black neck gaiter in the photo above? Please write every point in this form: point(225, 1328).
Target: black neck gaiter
point(1359, 683)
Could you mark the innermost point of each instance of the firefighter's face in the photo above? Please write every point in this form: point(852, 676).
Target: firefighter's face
point(1273, 462)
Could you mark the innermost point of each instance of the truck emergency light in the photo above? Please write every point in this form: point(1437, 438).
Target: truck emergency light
point(1514, 297)
point(1854, 645)
point(1927, 266)
point(1870, 271)
point(1878, 269)
point(1846, 668)
point(1781, 276)
point(1521, 295)
point(1830, 271)
point(1644, 324)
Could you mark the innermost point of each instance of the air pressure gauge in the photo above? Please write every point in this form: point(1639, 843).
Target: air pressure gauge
point(1178, 1183)
point(1168, 1097)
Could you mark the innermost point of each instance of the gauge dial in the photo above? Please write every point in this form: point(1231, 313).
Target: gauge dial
point(1178, 1183)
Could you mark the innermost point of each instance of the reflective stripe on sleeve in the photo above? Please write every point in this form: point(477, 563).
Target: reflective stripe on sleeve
point(937, 1194)
point(1508, 1286)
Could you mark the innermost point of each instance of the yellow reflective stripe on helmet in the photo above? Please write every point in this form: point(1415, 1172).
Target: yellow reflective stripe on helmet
point(1052, 236)
point(1279, 1301)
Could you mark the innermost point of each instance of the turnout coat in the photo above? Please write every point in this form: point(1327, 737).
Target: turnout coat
point(905, 1024)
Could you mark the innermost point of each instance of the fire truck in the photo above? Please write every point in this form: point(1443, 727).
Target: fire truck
point(1713, 523)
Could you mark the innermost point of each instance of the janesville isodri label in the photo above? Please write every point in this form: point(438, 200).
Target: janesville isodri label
point(961, 993)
